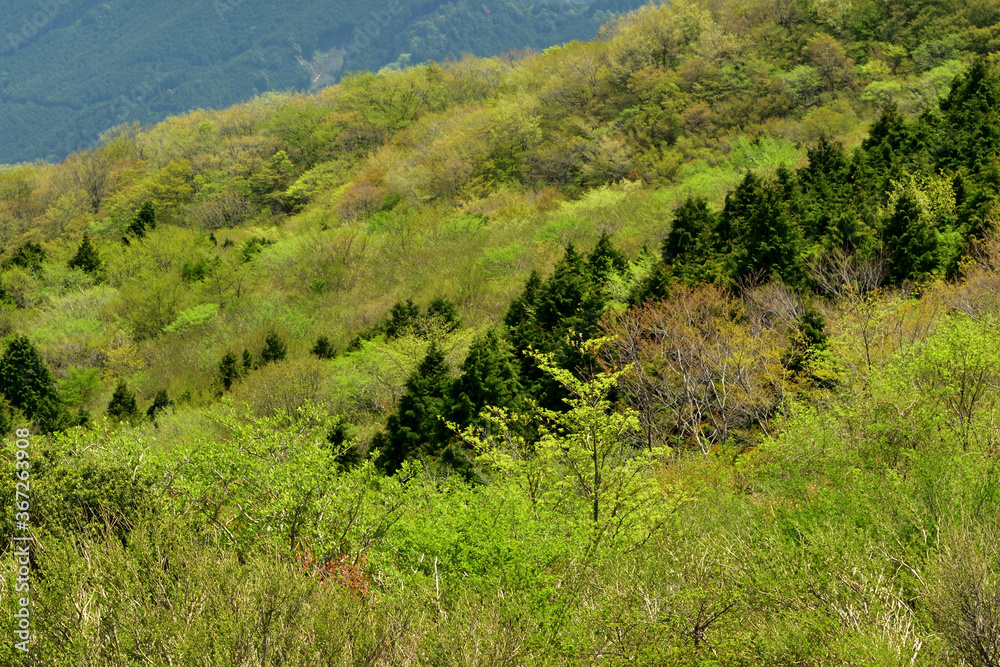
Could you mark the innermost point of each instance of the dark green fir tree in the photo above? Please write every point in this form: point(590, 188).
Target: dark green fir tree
point(274, 349)
point(910, 241)
point(417, 427)
point(86, 258)
point(229, 371)
point(25, 379)
point(143, 221)
point(122, 406)
point(489, 379)
point(324, 348)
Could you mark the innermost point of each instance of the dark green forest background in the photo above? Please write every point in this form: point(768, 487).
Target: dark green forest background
point(72, 69)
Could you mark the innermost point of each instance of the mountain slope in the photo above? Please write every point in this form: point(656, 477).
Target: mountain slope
point(72, 69)
point(712, 301)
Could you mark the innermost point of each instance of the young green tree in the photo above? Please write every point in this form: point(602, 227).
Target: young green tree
point(583, 461)
point(86, 258)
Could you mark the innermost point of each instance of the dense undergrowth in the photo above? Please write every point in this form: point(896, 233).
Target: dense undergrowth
point(674, 348)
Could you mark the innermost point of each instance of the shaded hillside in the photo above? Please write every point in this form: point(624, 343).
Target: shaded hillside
point(71, 70)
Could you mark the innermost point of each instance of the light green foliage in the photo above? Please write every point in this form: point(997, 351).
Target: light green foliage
point(80, 385)
point(583, 462)
point(951, 381)
point(193, 318)
point(273, 483)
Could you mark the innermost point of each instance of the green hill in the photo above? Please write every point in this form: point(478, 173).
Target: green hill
point(72, 69)
point(675, 347)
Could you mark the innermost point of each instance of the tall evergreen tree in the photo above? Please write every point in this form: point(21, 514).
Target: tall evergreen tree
point(86, 258)
point(25, 379)
point(605, 259)
point(416, 428)
point(971, 120)
point(5, 422)
point(30, 256)
point(229, 370)
point(444, 311)
point(122, 405)
point(403, 317)
point(160, 403)
point(693, 222)
point(547, 314)
point(910, 240)
point(324, 348)
point(489, 379)
point(766, 238)
point(274, 349)
point(143, 221)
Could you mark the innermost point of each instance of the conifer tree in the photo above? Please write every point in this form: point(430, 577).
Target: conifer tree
point(570, 299)
point(403, 317)
point(348, 455)
point(229, 371)
point(160, 402)
point(910, 240)
point(808, 339)
point(86, 258)
point(30, 256)
point(143, 221)
point(489, 378)
point(247, 361)
point(446, 312)
point(122, 406)
point(605, 259)
point(25, 379)
point(324, 348)
point(417, 427)
point(972, 120)
point(547, 314)
point(765, 238)
point(274, 349)
point(5, 422)
point(693, 222)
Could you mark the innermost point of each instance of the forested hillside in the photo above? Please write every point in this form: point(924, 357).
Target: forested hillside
point(72, 69)
point(676, 347)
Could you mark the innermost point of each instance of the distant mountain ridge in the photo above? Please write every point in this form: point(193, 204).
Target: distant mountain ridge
point(72, 69)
